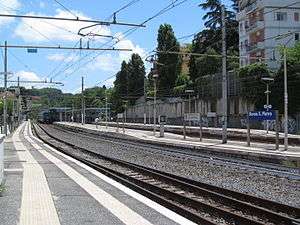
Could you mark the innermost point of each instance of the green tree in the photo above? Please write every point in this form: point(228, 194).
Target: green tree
point(206, 65)
point(121, 82)
point(293, 69)
point(251, 86)
point(136, 76)
point(213, 16)
point(169, 65)
point(183, 82)
point(210, 38)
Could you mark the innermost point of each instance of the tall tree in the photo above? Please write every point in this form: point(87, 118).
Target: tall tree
point(206, 65)
point(169, 65)
point(210, 38)
point(136, 76)
point(235, 5)
point(293, 68)
point(121, 82)
point(120, 88)
point(213, 16)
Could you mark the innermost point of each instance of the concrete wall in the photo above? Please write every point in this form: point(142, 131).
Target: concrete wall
point(175, 110)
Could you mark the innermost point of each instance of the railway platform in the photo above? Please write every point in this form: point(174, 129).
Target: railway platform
point(43, 186)
point(258, 151)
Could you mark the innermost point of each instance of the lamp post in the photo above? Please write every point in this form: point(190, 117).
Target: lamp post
point(285, 85)
point(267, 81)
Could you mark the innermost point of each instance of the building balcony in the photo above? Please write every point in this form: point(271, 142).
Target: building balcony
point(252, 7)
point(255, 47)
point(255, 26)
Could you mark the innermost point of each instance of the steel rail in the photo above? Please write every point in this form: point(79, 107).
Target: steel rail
point(238, 205)
point(156, 146)
point(265, 203)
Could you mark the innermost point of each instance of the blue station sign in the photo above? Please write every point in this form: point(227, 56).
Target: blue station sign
point(32, 50)
point(262, 115)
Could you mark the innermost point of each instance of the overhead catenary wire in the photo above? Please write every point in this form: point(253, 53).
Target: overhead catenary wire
point(122, 8)
point(164, 10)
point(131, 30)
point(64, 7)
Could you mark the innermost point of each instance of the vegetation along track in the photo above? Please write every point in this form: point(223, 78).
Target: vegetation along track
point(201, 203)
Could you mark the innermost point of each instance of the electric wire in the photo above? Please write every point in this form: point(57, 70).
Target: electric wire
point(64, 7)
point(131, 30)
point(122, 8)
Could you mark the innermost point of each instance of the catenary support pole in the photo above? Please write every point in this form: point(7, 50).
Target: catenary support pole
point(5, 90)
point(224, 78)
point(145, 102)
point(285, 100)
point(154, 109)
point(277, 130)
point(19, 102)
point(268, 103)
point(248, 129)
point(106, 110)
point(82, 102)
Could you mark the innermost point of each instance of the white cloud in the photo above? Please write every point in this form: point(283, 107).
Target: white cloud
point(8, 7)
point(56, 57)
point(128, 44)
point(55, 30)
point(111, 62)
point(62, 57)
point(27, 75)
point(107, 62)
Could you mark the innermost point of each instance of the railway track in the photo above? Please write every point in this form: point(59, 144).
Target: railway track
point(269, 168)
point(201, 203)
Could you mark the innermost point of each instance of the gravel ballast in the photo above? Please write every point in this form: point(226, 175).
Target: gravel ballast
point(235, 177)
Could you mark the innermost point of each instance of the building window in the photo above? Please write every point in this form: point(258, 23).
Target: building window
point(296, 36)
point(296, 16)
point(241, 26)
point(246, 25)
point(280, 16)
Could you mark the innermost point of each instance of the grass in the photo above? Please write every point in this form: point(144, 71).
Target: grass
point(2, 189)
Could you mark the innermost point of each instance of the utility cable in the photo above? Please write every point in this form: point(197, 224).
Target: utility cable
point(66, 9)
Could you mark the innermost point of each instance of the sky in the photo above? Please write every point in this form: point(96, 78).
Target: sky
point(97, 67)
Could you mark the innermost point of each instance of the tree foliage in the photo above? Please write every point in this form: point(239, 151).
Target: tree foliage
point(206, 65)
point(293, 71)
point(129, 83)
point(251, 86)
point(136, 76)
point(211, 36)
point(182, 83)
point(169, 65)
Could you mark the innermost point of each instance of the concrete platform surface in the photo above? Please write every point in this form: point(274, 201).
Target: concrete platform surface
point(44, 186)
point(216, 132)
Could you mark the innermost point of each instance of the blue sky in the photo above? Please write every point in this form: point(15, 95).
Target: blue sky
point(96, 67)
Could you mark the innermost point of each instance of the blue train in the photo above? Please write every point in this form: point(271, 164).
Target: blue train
point(57, 114)
point(51, 115)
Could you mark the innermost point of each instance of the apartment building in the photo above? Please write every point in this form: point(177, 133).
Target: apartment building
point(261, 23)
